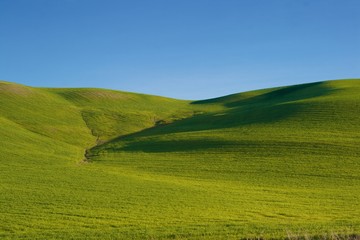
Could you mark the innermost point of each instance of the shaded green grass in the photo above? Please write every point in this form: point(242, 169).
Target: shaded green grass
point(274, 163)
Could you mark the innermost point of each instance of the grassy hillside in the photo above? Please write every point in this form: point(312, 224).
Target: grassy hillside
point(272, 163)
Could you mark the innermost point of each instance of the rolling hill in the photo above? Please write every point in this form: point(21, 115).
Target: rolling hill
point(103, 164)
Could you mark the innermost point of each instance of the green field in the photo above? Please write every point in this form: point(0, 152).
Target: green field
point(102, 164)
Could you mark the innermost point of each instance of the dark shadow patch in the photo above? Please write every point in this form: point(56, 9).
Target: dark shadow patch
point(160, 146)
point(291, 93)
point(286, 94)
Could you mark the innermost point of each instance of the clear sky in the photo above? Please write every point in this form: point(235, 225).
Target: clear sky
point(189, 49)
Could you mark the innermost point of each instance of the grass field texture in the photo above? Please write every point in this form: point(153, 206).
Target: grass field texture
point(102, 164)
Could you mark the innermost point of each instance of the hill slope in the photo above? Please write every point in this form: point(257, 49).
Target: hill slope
point(268, 163)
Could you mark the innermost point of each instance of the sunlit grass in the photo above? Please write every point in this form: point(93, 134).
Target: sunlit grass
point(275, 163)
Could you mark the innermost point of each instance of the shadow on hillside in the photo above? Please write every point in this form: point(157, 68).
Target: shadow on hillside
point(269, 107)
point(291, 93)
point(159, 146)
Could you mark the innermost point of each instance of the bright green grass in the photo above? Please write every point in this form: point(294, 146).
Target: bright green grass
point(273, 163)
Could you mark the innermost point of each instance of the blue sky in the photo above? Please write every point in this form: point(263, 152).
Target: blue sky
point(189, 49)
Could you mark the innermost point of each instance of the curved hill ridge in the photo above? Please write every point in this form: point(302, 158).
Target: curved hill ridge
point(257, 164)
